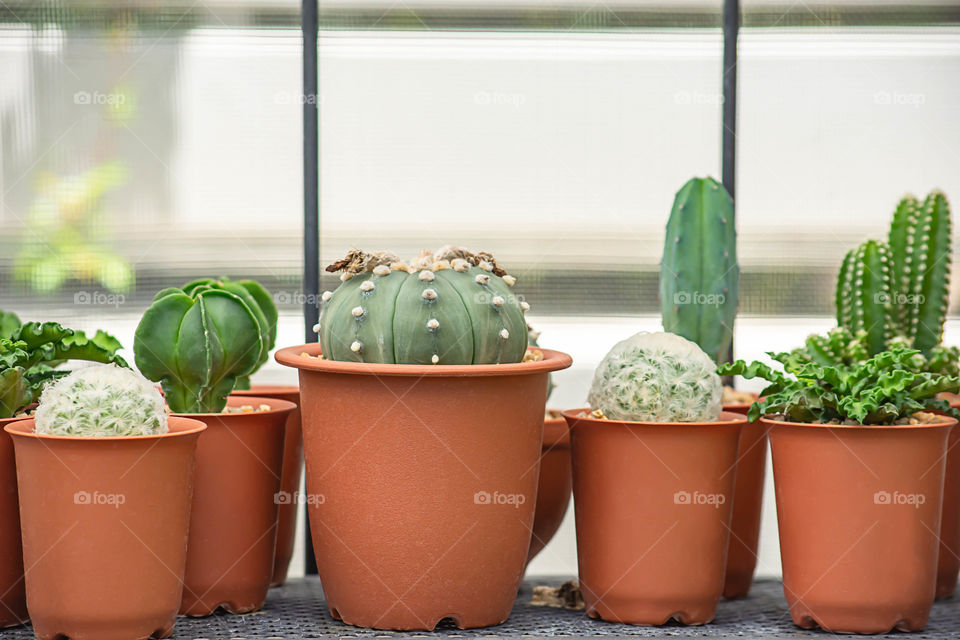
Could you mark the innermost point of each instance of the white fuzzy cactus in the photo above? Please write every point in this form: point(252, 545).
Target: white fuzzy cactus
point(99, 402)
point(657, 377)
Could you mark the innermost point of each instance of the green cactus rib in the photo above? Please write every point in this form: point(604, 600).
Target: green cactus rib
point(864, 294)
point(453, 312)
point(699, 274)
point(920, 238)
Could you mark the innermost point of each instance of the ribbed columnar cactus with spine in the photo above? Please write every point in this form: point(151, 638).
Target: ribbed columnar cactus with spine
point(101, 401)
point(920, 238)
point(699, 274)
point(657, 377)
point(864, 294)
point(451, 306)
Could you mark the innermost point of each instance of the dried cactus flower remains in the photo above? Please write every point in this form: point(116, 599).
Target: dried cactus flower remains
point(450, 306)
point(656, 377)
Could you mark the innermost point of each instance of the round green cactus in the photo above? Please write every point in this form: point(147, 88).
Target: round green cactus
point(657, 377)
point(446, 307)
point(101, 401)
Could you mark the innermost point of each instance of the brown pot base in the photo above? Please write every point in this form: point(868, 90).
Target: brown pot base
point(424, 622)
point(856, 620)
point(652, 613)
point(238, 603)
point(97, 631)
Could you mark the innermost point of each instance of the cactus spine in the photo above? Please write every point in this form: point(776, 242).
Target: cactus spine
point(864, 294)
point(699, 274)
point(446, 307)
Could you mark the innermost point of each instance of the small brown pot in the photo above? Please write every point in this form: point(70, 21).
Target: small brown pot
point(233, 525)
point(747, 505)
point(421, 483)
point(104, 525)
point(289, 478)
point(653, 503)
point(13, 596)
point(859, 512)
point(949, 563)
point(556, 480)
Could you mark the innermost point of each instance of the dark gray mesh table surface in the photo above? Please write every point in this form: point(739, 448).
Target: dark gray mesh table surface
point(297, 611)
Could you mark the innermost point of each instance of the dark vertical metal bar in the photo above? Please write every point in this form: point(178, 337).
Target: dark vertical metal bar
point(728, 163)
point(311, 196)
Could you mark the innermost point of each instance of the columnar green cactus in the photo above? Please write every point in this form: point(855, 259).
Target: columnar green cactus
point(447, 307)
point(864, 294)
point(657, 377)
point(920, 247)
point(101, 401)
point(699, 274)
point(197, 345)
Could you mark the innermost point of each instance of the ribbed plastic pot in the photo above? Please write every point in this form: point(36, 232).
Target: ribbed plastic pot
point(859, 511)
point(233, 524)
point(13, 596)
point(747, 506)
point(104, 524)
point(948, 566)
point(653, 505)
point(421, 483)
point(289, 478)
point(556, 481)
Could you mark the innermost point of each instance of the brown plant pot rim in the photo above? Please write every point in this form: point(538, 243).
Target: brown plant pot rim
point(946, 422)
point(276, 406)
point(256, 390)
point(556, 433)
point(290, 357)
point(727, 419)
point(741, 406)
point(180, 426)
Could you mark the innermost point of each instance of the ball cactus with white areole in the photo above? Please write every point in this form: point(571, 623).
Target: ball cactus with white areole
point(99, 402)
point(657, 377)
point(451, 306)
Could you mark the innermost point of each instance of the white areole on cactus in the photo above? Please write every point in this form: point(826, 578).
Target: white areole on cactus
point(657, 377)
point(101, 401)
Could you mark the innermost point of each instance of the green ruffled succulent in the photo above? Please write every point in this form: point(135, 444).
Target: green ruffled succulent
point(30, 354)
point(884, 389)
point(100, 402)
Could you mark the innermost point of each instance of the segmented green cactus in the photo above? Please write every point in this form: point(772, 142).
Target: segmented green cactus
point(447, 307)
point(101, 401)
point(657, 377)
point(864, 294)
point(197, 345)
point(699, 274)
point(920, 250)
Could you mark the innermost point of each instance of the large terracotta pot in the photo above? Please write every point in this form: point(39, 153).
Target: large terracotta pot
point(653, 503)
point(104, 525)
point(289, 477)
point(948, 566)
point(421, 482)
point(13, 596)
point(556, 480)
point(747, 505)
point(233, 525)
point(858, 510)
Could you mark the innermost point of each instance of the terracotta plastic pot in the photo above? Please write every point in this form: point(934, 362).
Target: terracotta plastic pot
point(653, 503)
point(859, 511)
point(233, 525)
point(104, 524)
point(556, 480)
point(13, 595)
point(747, 505)
point(949, 563)
point(289, 478)
point(421, 482)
